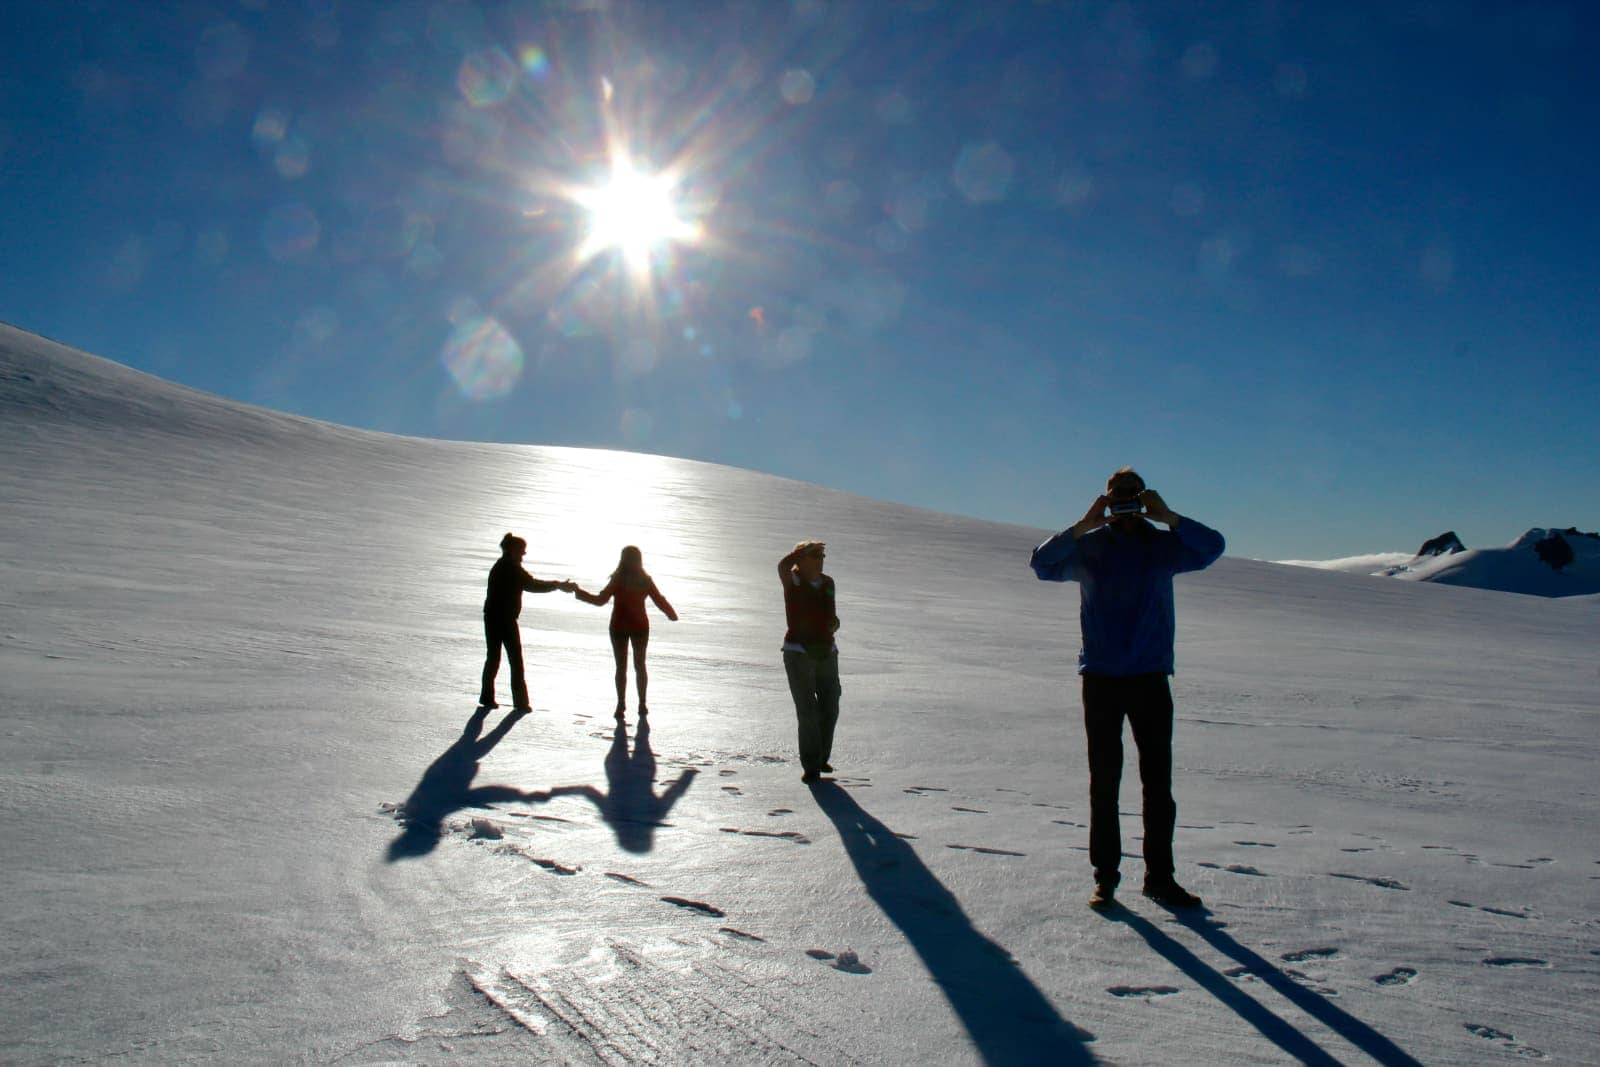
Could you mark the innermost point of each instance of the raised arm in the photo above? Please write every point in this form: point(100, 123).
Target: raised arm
point(786, 565)
point(1056, 559)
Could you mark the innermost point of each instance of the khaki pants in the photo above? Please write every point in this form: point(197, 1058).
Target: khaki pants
point(814, 684)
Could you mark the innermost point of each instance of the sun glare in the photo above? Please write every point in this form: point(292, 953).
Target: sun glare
point(634, 213)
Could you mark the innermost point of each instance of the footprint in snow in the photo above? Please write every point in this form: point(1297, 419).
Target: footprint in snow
point(1308, 954)
point(626, 879)
point(781, 811)
point(1143, 992)
point(791, 835)
point(846, 961)
point(733, 790)
point(1235, 868)
point(1398, 976)
point(1256, 844)
point(1310, 983)
point(987, 851)
point(695, 905)
point(973, 811)
point(1381, 883)
point(740, 934)
point(1500, 1037)
point(548, 864)
point(1493, 910)
point(924, 790)
point(1516, 961)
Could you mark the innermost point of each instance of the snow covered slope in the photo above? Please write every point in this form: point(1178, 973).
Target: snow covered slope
point(234, 645)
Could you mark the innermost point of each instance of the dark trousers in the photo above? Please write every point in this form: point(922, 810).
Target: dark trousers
point(1145, 700)
point(814, 684)
point(503, 633)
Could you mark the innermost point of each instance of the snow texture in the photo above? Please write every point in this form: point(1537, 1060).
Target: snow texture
point(251, 816)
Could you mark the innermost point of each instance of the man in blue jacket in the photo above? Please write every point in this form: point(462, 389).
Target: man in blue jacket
point(1124, 566)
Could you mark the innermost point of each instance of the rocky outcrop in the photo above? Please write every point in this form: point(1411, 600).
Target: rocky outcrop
point(1446, 544)
point(1554, 550)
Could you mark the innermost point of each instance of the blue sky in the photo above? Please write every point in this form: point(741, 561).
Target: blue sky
point(1325, 273)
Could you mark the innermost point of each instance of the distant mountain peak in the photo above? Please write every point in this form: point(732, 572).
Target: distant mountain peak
point(1445, 544)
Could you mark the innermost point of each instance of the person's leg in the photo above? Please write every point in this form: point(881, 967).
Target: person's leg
point(491, 663)
point(802, 673)
point(519, 681)
point(828, 690)
point(1150, 717)
point(1102, 723)
point(619, 652)
point(641, 675)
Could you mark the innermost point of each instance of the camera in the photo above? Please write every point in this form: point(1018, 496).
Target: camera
point(1129, 506)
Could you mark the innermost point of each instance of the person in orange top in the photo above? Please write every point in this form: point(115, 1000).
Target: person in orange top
point(630, 624)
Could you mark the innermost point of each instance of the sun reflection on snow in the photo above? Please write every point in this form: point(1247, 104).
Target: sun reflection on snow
point(627, 499)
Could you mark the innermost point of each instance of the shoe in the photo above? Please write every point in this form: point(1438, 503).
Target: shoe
point(643, 711)
point(1170, 894)
point(811, 776)
point(482, 703)
point(1104, 897)
point(826, 768)
point(523, 709)
point(620, 715)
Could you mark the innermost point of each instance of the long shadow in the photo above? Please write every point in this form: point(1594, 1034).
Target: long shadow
point(1270, 1025)
point(446, 787)
point(1009, 1020)
point(629, 804)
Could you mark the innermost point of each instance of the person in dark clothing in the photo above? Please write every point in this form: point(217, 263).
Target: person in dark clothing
point(502, 606)
point(1124, 568)
point(810, 657)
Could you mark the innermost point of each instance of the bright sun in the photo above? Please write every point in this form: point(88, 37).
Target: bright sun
point(635, 213)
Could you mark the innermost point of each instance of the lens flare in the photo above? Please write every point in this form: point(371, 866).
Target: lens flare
point(486, 78)
point(482, 358)
point(291, 232)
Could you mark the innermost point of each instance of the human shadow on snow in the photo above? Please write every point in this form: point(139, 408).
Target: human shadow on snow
point(1271, 1025)
point(1009, 1020)
point(446, 787)
point(629, 805)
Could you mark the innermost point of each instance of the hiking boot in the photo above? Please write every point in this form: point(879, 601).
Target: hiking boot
point(1170, 894)
point(811, 776)
point(826, 768)
point(1104, 897)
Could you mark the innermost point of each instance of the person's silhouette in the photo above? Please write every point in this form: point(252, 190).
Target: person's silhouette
point(629, 805)
point(446, 787)
point(501, 607)
point(630, 584)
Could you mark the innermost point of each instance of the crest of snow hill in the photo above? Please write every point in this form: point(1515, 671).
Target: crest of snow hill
point(1542, 562)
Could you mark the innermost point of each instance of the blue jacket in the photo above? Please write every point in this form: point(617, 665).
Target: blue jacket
point(1125, 589)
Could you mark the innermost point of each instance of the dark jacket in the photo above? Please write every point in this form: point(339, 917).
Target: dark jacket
point(507, 580)
point(1125, 589)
